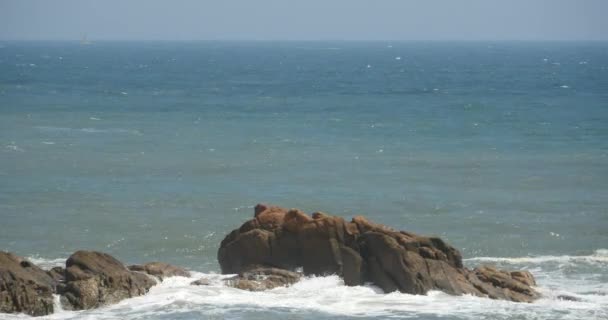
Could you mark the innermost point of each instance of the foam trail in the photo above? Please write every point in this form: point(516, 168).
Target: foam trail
point(328, 298)
point(599, 256)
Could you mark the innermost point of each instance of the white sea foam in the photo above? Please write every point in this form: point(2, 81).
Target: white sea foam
point(14, 147)
point(599, 256)
point(328, 297)
point(88, 130)
point(46, 263)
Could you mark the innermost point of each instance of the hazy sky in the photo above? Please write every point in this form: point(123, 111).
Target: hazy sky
point(305, 19)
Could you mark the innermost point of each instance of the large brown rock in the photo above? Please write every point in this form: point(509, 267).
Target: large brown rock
point(361, 251)
point(94, 279)
point(24, 288)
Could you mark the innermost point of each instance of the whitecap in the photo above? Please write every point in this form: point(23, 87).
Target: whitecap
point(88, 130)
point(46, 263)
point(599, 256)
point(13, 147)
point(327, 295)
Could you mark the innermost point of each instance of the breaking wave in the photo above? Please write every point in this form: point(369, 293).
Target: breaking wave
point(328, 298)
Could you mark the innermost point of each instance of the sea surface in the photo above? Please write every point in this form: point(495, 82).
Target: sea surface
point(157, 150)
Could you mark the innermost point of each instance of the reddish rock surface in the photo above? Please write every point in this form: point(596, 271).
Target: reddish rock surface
point(361, 251)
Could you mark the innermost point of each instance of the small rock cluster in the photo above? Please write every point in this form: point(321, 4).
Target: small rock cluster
point(89, 280)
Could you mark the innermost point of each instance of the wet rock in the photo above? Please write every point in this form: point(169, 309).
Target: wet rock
point(263, 278)
point(201, 282)
point(24, 287)
point(94, 279)
point(57, 274)
point(361, 251)
point(499, 284)
point(160, 270)
point(565, 297)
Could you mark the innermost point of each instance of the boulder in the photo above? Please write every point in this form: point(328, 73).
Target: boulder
point(361, 251)
point(94, 279)
point(160, 270)
point(24, 288)
point(262, 278)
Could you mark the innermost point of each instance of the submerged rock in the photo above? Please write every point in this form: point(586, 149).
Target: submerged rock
point(24, 288)
point(160, 270)
point(94, 279)
point(262, 278)
point(201, 282)
point(361, 251)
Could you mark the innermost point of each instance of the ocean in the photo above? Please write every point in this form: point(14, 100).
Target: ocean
point(157, 150)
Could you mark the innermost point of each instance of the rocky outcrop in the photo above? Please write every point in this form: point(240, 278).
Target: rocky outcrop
point(94, 279)
point(361, 251)
point(160, 270)
point(90, 279)
point(24, 288)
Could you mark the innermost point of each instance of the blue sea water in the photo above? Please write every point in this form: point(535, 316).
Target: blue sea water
point(156, 150)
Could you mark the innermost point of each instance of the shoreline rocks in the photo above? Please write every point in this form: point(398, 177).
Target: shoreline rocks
point(24, 288)
point(95, 279)
point(264, 253)
point(89, 280)
point(361, 251)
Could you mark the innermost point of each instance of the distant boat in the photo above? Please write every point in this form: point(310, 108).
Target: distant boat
point(84, 41)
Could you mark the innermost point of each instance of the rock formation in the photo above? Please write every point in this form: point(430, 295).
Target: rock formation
point(24, 288)
point(361, 251)
point(90, 279)
point(94, 279)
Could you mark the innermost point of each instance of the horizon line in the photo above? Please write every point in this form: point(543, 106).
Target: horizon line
point(304, 40)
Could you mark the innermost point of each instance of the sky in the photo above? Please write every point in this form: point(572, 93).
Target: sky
point(469, 20)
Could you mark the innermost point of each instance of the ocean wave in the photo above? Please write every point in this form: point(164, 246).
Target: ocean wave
point(325, 297)
point(328, 297)
point(598, 256)
point(45, 263)
point(89, 130)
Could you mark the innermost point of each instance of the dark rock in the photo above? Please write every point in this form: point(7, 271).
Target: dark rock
point(361, 251)
point(160, 270)
point(94, 279)
point(201, 282)
point(24, 288)
point(564, 297)
point(57, 274)
point(262, 278)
